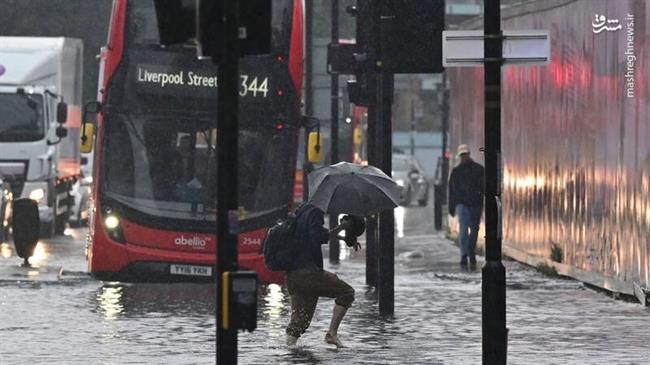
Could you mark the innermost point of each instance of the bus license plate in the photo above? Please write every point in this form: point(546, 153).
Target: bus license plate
point(191, 270)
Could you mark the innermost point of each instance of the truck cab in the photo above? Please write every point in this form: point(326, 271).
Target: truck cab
point(40, 92)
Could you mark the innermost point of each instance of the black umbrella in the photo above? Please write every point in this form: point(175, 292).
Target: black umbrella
point(347, 188)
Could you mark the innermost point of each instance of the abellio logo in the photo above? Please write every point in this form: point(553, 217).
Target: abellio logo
point(194, 242)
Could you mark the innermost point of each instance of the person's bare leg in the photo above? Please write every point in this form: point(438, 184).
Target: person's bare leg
point(337, 316)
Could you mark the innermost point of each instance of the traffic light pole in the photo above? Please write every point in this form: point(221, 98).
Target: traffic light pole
point(384, 138)
point(372, 245)
point(493, 288)
point(386, 285)
point(227, 159)
point(309, 90)
point(445, 136)
point(369, 15)
point(334, 247)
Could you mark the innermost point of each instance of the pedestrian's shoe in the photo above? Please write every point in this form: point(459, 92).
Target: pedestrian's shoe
point(291, 340)
point(333, 340)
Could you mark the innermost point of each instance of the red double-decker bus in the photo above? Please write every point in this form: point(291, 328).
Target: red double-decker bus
point(154, 213)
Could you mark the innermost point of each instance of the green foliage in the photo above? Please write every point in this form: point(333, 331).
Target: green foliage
point(547, 270)
point(556, 253)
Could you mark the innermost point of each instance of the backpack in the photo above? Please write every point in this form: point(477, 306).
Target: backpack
point(281, 244)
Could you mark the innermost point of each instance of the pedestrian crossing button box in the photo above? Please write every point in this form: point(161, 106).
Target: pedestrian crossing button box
point(241, 300)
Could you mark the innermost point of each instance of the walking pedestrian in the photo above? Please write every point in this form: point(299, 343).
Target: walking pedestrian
point(308, 281)
point(466, 201)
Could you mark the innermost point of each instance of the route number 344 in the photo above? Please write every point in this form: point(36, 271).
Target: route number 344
point(253, 86)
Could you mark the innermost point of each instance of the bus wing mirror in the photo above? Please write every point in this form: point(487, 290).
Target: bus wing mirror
point(91, 107)
point(357, 136)
point(87, 137)
point(61, 112)
point(315, 147)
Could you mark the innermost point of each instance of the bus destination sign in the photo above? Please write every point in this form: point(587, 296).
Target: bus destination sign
point(172, 81)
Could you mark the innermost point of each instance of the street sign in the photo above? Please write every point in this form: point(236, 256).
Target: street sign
point(465, 47)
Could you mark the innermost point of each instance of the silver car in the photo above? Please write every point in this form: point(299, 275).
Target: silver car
point(408, 173)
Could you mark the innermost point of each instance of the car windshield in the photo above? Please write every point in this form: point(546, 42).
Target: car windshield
point(21, 117)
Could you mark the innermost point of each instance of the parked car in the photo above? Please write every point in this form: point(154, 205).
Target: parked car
point(408, 173)
point(6, 207)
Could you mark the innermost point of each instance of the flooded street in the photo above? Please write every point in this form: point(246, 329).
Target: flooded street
point(63, 317)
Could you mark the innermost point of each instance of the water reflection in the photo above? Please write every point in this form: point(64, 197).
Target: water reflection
point(41, 253)
point(165, 300)
point(400, 214)
point(6, 250)
point(109, 299)
point(274, 301)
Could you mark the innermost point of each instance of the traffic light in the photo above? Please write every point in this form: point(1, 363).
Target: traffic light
point(412, 35)
point(180, 21)
point(357, 58)
point(254, 27)
point(176, 20)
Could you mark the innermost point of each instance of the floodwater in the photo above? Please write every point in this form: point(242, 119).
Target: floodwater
point(69, 318)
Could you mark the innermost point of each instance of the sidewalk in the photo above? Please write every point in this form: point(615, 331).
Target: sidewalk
point(438, 317)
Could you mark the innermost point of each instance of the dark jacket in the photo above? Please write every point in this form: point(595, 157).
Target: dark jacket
point(466, 186)
point(311, 235)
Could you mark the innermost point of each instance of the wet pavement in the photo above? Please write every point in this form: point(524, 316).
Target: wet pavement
point(66, 317)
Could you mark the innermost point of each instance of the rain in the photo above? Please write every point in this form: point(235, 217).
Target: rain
point(483, 208)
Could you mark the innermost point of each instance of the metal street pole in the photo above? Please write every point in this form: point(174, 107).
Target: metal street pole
point(386, 284)
point(386, 266)
point(493, 274)
point(412, 127)
point(227, 192)
point(372, 245)
point(334, 126)
point(445, 135)
point(372, 146)
point(309, 90)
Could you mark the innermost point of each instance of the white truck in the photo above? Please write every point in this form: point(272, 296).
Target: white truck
point(40, 118)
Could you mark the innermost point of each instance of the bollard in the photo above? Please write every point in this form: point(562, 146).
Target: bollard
point(437, 206)
point(25, 222)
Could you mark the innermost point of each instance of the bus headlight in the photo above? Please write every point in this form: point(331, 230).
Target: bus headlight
point(113, 227)
point(37, 195)
point(111, 222)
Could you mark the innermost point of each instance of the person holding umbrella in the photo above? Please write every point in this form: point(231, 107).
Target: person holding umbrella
point(343, 188)
point(308, 280)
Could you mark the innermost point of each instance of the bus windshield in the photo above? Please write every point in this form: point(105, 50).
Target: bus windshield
point(21, 118)
point(162, 165)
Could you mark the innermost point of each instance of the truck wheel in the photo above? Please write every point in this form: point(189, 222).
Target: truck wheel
point(47, 229)
point(61, 219)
